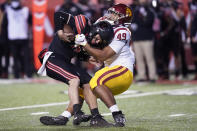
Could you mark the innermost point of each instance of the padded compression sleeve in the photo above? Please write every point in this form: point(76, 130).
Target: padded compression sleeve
point(61, 18)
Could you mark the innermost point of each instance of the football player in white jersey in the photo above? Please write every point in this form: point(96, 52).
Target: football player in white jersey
point(117, 75)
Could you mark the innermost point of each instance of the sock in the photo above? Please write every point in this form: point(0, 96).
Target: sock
point(66, 114)
point(114, 108)
point(76, 108)
point(94, 111)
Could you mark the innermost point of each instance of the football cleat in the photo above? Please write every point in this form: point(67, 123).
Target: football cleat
point(49, 120)
point(81, 117)
point(99, 121)
point(119, 118)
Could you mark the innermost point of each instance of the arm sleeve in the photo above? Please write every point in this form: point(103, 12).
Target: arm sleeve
point(116, 45)
point(61, 18)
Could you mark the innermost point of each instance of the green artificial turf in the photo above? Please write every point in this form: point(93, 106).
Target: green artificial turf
point(144, 113)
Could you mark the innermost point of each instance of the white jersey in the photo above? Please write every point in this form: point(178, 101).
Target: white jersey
point(17, 23)
point(121, 45)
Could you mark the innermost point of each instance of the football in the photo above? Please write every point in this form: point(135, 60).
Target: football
point(68, 29)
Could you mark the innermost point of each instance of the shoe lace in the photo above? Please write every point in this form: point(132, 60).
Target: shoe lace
point(119, 117)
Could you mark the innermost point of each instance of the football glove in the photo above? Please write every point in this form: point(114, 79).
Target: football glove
point(80, 39)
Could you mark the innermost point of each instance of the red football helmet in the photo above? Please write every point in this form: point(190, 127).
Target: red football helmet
point(119, 14)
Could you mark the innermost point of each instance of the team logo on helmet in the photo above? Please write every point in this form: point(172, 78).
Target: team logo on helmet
point(128, 12)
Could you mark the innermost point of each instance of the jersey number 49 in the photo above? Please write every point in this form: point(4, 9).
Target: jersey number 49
point(122, 36)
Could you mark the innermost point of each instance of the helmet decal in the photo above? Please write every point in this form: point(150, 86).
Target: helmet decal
point(128, 12)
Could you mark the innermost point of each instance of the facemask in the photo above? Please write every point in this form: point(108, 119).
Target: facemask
point(110, 21)
point(15, 4)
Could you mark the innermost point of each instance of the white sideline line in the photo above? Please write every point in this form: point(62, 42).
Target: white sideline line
point(34, 106)
point(117, 97)
point(39, 113)
point(175, 115)
point(153, 93)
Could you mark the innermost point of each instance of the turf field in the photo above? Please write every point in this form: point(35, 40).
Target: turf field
point(147, 107)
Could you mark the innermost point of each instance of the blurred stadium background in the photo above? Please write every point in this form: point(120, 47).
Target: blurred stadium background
point(42, 30)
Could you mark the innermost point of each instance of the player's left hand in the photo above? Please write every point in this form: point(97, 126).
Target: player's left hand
point(80, 39)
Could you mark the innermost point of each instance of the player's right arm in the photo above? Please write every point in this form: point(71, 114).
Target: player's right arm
point(60, 19)
point(121, 36)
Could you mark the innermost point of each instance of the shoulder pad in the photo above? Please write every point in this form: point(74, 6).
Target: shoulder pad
point(122, 33)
